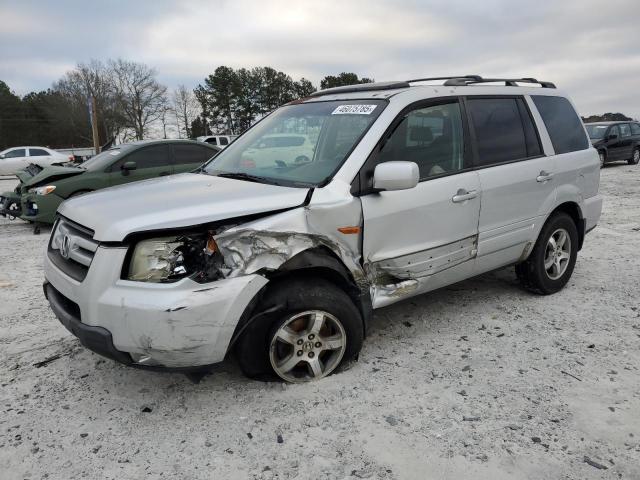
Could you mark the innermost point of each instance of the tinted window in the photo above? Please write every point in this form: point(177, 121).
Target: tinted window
point(37, 152)
point(563, 124)
point(224, 141)
point(500, 134)
point(147, 157)
point(212, 141)
point(432, 137)
point(625, 131)
point(614, 131)
point(18, 152)
point(184, 154)
point(635, 129)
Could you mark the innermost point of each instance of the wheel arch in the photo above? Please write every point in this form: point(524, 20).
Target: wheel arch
point(574, 211)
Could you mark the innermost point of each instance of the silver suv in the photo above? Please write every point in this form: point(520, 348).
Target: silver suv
point(396, 189)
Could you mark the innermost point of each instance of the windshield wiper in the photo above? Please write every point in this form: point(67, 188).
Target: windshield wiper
point(245, 176)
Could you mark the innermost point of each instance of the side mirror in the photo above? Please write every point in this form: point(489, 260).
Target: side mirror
point(396, 176)
point(127, 167)
point(3, 156)
point(613, 136)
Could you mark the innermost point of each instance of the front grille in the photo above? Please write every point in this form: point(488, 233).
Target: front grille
point(72, 248)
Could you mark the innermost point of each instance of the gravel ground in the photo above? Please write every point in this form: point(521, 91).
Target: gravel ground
point(479, 380)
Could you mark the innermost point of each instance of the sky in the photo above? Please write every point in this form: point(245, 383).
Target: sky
point(590, 49)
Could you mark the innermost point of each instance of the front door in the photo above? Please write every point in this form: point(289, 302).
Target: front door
point(419, 239)
point(615, 148)
point(626, 141)
point(151, 161)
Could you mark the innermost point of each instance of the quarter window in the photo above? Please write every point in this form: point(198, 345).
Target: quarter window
point(503, 129)
point(432, 137)
point(563, 124)
point(635, 129)
point(18, 152)
point(38, 152)
point(224, 141)
point(625, 131)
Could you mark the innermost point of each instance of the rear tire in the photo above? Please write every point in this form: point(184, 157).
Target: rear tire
point(270, 346)
point(553, 258)
point(635, 158)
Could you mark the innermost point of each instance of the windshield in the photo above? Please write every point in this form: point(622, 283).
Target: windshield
point(298, 145)
point(104, 159)
point(596, 131)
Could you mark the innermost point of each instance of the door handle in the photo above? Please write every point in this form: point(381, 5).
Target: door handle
point(544, 176)
point(463, 195)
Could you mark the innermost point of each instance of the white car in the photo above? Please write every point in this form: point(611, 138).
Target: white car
point(411, 187)
point(14, 159)
point(282, 150)
point(217, 140)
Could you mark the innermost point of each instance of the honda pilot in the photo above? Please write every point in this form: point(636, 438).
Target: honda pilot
point(408, 186)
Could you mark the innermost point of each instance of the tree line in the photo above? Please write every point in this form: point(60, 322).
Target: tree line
point(131, 104)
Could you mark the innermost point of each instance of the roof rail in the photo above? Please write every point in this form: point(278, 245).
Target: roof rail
point(471, 77)
point(509, 82)
point(361, 87)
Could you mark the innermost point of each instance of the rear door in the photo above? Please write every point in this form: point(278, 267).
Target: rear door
point(515, 176)
point(626, 141)
point(614, 144)
point(151, 161)
point(187, 157)
point(426, 235)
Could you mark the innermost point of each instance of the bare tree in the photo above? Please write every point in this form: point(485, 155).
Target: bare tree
point(186, 109)
point(140, 97)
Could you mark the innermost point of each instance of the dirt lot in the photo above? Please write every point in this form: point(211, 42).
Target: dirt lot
point(479, 380)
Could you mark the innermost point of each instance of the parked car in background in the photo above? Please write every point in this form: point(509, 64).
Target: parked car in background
point(279, 150)
point(14, 159)
point(43, 190)
point(217, 140)
point(410, 188)
point(616, 141)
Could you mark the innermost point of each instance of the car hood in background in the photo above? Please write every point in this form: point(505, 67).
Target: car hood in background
point(47, 175)
point(173, 202)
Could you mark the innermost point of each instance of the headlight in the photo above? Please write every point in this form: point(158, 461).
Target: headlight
point(168, 259)
point(43, 190)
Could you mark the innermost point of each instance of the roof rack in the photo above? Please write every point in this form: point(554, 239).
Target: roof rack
point(509, 82)
point(361, 87)
point(470, 77)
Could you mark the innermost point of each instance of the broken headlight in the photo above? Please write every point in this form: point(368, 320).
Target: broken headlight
point(169, 259)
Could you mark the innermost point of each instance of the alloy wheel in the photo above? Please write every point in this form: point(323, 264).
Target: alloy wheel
point(557, 254)
point(307, 346)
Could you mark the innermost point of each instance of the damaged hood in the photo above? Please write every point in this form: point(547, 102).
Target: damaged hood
point(31, 177)
point(173, 202)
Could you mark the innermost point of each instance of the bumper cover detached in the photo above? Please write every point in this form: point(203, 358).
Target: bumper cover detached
point(96, 339)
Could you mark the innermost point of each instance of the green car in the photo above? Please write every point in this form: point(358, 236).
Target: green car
point(41, 191)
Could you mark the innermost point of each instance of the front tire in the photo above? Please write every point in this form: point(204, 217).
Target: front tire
point(316, 329)
point(635, 158)
point(553, 258)
point(603, 158)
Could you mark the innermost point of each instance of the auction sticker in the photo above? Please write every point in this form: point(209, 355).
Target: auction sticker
point(354, 110)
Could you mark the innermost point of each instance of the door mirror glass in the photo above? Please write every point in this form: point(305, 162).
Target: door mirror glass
point(396, 176)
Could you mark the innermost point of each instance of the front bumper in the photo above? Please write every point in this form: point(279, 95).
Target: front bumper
point(175, 325)
point(40, 208)
point(10, 205)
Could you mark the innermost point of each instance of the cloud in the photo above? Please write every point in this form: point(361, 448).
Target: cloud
point(586, 47)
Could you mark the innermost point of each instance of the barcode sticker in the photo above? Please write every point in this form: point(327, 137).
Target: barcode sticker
point(354, 110)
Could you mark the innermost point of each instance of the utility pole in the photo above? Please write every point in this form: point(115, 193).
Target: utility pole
point(94, 124)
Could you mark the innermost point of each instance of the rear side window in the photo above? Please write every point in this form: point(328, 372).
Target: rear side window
point(147, 157)
point(184, 154)
point(503, 129)
point(212, 141)
point(38, 152)
point(563, 124)
point(625, 131)
point(635, 129)
point(224, 141)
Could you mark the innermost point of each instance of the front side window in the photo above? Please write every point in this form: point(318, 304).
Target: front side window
point(212, 141)
point(432, 137)
point(302, 144)
point(38, 152)
point(563, 124)
point(625, 130)
point(146, 157)
point(615, 132)
point(185, 154)
point(501, 135)
point(18, 152)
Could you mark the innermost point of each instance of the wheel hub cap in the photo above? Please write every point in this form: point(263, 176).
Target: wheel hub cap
point(557, 254)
